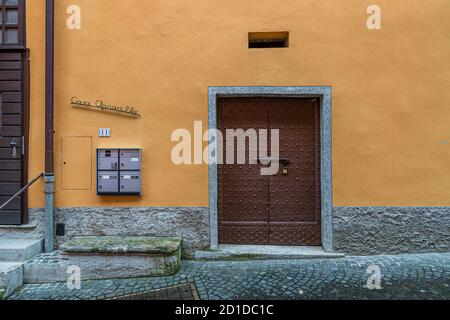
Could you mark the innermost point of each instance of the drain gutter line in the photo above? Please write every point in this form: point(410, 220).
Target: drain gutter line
point(49, 176)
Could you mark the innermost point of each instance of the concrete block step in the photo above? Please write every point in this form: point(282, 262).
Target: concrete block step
point(19, 250)
point(11, 278)
point(107, 258)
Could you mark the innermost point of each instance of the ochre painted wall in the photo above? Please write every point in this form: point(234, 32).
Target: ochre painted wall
point(391, 88)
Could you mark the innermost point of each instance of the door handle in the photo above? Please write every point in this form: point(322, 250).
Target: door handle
point(13, 145)
point(283, 161)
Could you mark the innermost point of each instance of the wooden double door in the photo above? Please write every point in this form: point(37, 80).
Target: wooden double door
point(279, 209)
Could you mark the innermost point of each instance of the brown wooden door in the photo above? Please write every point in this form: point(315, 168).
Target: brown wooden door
point(244, 209)
point(12, 131)
point(282, 209)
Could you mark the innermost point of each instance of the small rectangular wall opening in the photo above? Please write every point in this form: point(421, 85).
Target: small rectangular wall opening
point(261, 40)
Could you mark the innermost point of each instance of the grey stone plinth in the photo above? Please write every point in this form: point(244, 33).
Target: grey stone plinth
point(391, 230)
point(100, 266)
point(107, 258)
point(122, 245)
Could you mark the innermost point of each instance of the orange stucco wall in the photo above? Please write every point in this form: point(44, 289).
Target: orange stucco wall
point(391, 97)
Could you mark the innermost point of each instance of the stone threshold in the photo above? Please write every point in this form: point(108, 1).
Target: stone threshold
point(262, 252)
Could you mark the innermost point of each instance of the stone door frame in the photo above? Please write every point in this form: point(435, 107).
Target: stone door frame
point(325, 95)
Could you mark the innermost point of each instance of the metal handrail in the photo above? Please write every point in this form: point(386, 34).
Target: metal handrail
point(22, 190)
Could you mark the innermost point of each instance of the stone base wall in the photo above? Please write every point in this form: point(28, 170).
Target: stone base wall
point(189, 223)
point(33, 230)
point(391, 230)
point(356, 230)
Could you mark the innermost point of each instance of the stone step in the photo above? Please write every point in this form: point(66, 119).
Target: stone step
point(107, 258)
point(19, 250)
point(11, 278)
point(251, 252)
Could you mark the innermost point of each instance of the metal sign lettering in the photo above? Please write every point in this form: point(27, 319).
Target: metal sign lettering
point(101, 105)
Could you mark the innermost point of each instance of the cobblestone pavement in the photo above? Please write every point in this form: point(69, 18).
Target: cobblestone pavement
point(421, 276)
point(181, 292)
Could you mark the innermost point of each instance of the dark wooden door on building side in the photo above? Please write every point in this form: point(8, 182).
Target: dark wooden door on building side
point(14, 102)
point(12, 133)
point(281, 209)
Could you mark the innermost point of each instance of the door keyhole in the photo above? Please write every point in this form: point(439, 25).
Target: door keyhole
point(285, 166)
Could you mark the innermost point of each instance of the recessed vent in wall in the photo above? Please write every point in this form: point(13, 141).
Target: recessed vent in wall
point(263, 40)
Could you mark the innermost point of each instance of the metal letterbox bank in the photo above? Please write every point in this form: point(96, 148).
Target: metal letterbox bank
point(119, 172)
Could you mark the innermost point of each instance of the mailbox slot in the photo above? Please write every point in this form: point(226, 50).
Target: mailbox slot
point(108, 159)
point(130, 182)
point(130, 159)
point(119, 172)
point(108, 182)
